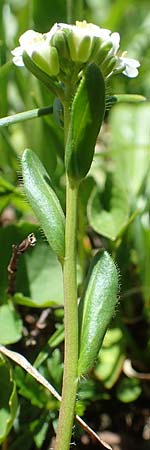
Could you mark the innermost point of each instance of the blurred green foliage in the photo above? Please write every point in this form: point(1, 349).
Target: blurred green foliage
point(114, 212)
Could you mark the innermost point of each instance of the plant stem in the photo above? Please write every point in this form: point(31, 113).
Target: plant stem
point(70, 380)
point(69, 11)
point(71, 327)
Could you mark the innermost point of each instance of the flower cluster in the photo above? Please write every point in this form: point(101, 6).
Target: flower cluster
point(65, 45)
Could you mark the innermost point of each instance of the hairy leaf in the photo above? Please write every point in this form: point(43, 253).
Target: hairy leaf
point(43, 200)
point(96, 308)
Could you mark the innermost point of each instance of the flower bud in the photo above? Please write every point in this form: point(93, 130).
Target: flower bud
point(59, 41)
point(103, 52)
point(64, 46)
point(39, 50)
point(46, 58)
point(80, 47)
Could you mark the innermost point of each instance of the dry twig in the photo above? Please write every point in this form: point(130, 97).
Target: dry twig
point(17, 250)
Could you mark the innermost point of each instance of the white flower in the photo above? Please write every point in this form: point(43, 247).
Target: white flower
point(29, 41)
point(53, 52)
point(39, 50)
point(82, 29)
point(81, 39)
point(17, 57)
point(127, 66)
point(131, 67)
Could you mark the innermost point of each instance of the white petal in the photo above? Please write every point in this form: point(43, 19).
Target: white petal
point(95, 31)
point(120, 65)
point(17, 51)
point(130, 72)
point(18, 61)
point(86, 29)
point(103, 33)
point(52, 31)
point(43, 49)
point(28, 38)
point(131, 62)
point(131, 66)
point(64, 25)
point(115, 38)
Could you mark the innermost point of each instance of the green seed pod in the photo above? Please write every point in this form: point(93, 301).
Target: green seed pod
point(96, 308)
point(87, 113)
point(44, 201)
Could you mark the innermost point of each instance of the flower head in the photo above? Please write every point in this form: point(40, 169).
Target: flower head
point(39, 50)
point(67, 46)
point(127, 66)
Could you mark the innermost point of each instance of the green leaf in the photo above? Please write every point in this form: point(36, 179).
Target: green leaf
point(96, 308)
point(44, 201)
point(55, 340)
point(111, 357)
point(140, 235)
point(87, 114)
point(45, 279)
point(8, 194)
point(10, 325)
point(8, 399)
point(30, 389)
point(130, 143)
point(39, 428)
point(108, 213)
point(128, 390)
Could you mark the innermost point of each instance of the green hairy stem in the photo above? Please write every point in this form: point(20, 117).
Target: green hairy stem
point(70, 380)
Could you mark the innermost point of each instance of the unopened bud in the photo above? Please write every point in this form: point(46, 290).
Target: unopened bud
point(103, 51)
point(80, 47)
point(47, 59)
point(59, 41)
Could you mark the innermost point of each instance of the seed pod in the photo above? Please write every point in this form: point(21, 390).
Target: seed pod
point(96, 308)
point(44, 201)
point(87, 113)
